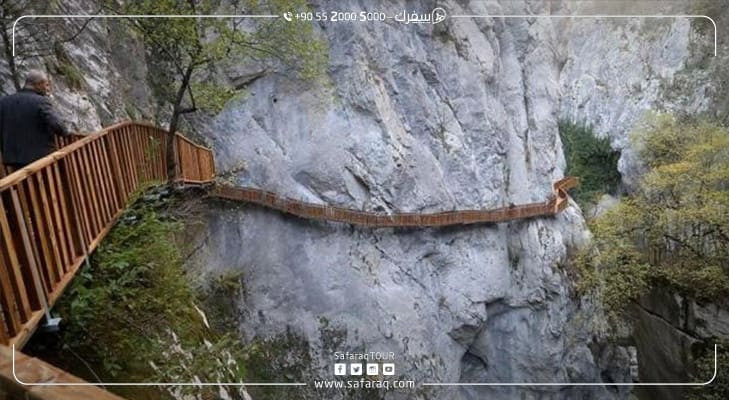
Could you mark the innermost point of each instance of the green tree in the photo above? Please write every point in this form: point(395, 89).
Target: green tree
point(591, 159)
point(191, 50)
point(674, 230)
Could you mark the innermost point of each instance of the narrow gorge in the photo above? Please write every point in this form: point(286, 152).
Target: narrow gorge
point(465, 114)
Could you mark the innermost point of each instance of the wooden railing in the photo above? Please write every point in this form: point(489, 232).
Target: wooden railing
point(556, 203)
point(63, 141)
point(55, 211)
point(195, 163)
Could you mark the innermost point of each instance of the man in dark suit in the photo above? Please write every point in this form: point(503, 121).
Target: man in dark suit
point(28, 123)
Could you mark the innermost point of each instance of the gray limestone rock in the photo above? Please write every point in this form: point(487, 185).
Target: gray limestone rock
point(416, 119)
point(458, 115)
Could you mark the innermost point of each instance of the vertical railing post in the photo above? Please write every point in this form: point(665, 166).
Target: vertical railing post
point(13, 296)
point(25, 238)
point(116, 173)
point(81, 225)
point(2, 166)
point(179, 171)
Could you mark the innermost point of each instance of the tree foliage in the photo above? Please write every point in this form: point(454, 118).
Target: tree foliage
point(591, 159)
point(190, 51)
point(674, 230)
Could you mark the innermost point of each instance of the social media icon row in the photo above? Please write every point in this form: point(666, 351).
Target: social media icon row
point(371, 369)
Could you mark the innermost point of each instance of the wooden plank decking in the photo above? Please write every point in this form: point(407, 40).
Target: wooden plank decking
point(556, 203)
point(29, 369)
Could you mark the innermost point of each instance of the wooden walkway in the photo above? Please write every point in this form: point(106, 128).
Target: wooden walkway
point(56, 211)
point(31, 370)
point(556, 203)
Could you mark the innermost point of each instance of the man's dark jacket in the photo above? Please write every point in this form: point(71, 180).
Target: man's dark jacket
point(27, 126)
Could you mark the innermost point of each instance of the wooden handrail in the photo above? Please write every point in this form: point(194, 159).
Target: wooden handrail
point(556, 203)
point(189, 141)
point(55, 211)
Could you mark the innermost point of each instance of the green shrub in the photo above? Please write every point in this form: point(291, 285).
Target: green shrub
point(669, 234)
point(672, 231)
point(71, 75)
point(65, 67)
point(591, 159)
point(133, 315)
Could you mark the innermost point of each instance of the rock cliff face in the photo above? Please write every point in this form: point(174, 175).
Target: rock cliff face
point(671, 329)
point(462, 114)
point(616, 70)
point(99, 77)
point(434, 118)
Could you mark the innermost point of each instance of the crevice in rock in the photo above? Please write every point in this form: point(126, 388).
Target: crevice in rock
point(667, 322)
point(243, 81)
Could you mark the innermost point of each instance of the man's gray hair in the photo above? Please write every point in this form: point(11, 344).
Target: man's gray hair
point(34, 77)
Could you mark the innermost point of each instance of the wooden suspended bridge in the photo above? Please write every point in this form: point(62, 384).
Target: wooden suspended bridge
point(556, 203)
point(56, 211)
